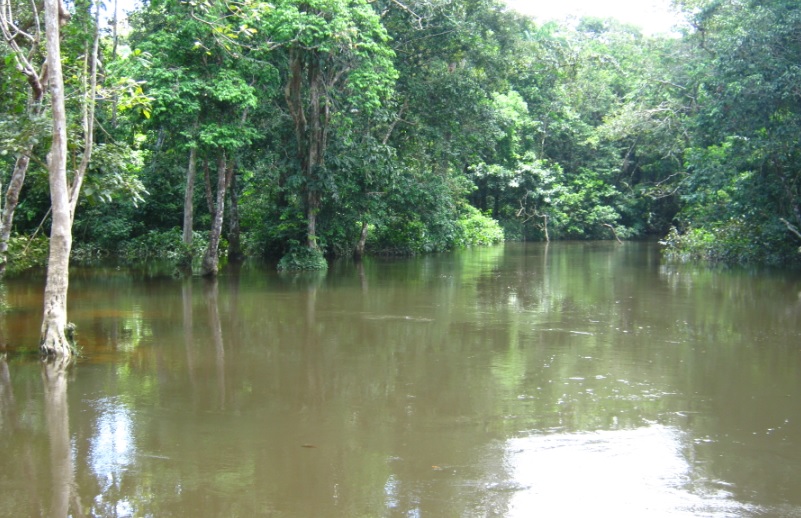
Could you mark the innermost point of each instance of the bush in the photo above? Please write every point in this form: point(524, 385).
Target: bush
point(302, 258)
point(731, 242)
point(165, 245)
point(477, 229)
point(25, 254)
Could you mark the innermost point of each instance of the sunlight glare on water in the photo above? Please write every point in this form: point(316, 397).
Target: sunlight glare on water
point(623, 473)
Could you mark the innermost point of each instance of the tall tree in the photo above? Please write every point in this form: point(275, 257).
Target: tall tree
point(204, 88)
point(54, 340)
point(64, 195)
point(338, 61)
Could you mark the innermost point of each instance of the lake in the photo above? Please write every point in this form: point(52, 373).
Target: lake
point(570, 379)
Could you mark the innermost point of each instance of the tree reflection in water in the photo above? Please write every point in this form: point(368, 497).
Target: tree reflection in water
point(56, 409)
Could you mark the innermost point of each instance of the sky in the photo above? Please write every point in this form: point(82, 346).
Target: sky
point(653, 16)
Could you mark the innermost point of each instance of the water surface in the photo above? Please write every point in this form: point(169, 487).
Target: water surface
point(522, 380)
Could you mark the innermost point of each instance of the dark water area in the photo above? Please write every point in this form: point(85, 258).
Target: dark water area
point(575, 379)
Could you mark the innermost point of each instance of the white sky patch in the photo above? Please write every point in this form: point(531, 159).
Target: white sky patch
point(653, 16)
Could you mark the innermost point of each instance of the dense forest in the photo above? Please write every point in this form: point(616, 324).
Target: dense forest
point(309, 129)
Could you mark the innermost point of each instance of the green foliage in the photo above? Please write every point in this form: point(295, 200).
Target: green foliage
point(25, 253)
point(430, 122)
point(731, 242)
point(164, 245)
point(302, 258)
point(477, 229)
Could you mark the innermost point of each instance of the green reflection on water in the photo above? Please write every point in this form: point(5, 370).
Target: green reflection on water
point(429, 386)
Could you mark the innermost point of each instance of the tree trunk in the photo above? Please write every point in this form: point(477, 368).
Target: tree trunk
point(210, 264)
point(54, 340)
point(12, 198)
point(358, 252)
point(189, 196)
point(312, 208)
point(234, 234)
point(311, 129)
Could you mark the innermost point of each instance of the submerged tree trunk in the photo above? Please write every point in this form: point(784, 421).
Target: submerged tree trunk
point(54, 340)
point(211, 262)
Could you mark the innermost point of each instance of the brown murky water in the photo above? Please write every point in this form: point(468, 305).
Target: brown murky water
point(571, 380)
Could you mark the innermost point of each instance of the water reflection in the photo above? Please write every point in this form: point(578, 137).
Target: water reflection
point(111, 454)
point(56, 410)
point(211, 292)
point(522, 380)
point(625, 473)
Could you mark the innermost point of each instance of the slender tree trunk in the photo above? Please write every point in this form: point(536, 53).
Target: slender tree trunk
point(358, 253)
point(314, 159)
point(234, 234)
point(189, 196)
point(53, 340)
point(12, 199)
point(210, 264)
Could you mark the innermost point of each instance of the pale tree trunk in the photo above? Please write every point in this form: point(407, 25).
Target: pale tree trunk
point(56, 339)
point(189, 196)
point(358, 253)
point(210, 264)
point(12, 198)
point(234, 234)
point(54, 324)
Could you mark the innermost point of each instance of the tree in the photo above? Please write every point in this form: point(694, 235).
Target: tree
point(23, 35)
point(742, 194)
point(337, 62)
point(54, 339)
point(205, 91)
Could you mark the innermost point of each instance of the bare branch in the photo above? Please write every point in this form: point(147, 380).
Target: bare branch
point(412, 13)
point(792, 228)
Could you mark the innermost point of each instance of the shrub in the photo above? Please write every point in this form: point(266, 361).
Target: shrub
point(731, 242)
point(164, 245)
point(25, 253)
point(300, 258)
point(475, 228)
